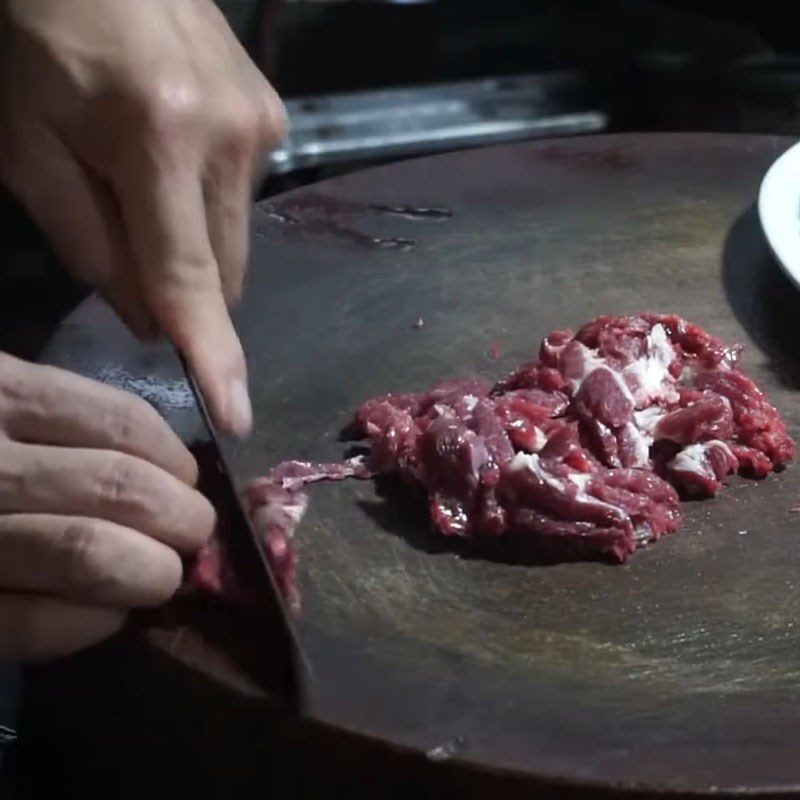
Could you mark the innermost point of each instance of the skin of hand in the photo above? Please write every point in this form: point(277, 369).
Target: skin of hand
point(131, 133)
point(97, 506)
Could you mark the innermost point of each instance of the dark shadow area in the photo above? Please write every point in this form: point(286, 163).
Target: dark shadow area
point(128, 722)
point(36, 294)
point(349, 434)
point(237, 631)
point(763, 299)
point(248, 626)
point(402, 511)
point(357, 451)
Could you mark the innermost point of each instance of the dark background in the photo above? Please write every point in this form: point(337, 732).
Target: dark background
point(656, 65)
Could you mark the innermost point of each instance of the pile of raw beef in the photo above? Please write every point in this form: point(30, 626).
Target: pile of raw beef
point(584, 451)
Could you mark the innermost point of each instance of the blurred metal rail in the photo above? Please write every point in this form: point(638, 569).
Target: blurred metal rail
point(329, 129)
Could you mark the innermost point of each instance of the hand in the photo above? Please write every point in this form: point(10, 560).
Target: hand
point(130, 132)
point(95, 506)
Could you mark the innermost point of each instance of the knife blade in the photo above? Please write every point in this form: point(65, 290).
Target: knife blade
point(244, 545)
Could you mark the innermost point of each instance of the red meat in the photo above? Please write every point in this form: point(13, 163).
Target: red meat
point(591, 441)
point(580, 453)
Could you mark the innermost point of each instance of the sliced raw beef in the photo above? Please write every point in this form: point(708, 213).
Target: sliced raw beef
point(582, 451)
point(587, 447)
point(275, 503)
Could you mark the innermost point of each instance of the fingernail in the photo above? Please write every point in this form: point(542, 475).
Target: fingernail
point(240, 412)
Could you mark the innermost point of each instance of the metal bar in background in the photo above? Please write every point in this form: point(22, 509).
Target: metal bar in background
point(329, 129)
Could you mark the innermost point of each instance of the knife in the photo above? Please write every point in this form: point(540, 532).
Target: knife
point(243, 545)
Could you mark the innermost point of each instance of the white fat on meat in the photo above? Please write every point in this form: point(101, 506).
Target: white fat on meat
point(649, 373)
point(591, 363)
point(286, 513)
point(641, 432)
point(643, 533)
point(532, 462)
point(694, 459)
point(539, 436)
point(581, 480)
point(688, 374)
point(647, 419)
point(641, 445)
point(470, 401)
point(479, 456)
point(540, 440)
point(643, 381)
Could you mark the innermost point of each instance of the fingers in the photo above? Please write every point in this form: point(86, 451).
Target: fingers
point(226, 189)
point(273, 121)
point(250, 126)
point(44, 405)
point(110, 486)
point(165, 214)
point(33, 628)
point(85, 560)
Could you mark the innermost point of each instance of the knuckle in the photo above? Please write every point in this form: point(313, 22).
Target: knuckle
point(84, 565)
point(168, 107)
point(93, 566)
point(20, 475)
point(238, 134)
point(276, 121)
point(197, 524)
point(20, 478)
point(133, 418)
point(117, 480)
point(192, 275)
point(124, 425)
point(242, 123)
